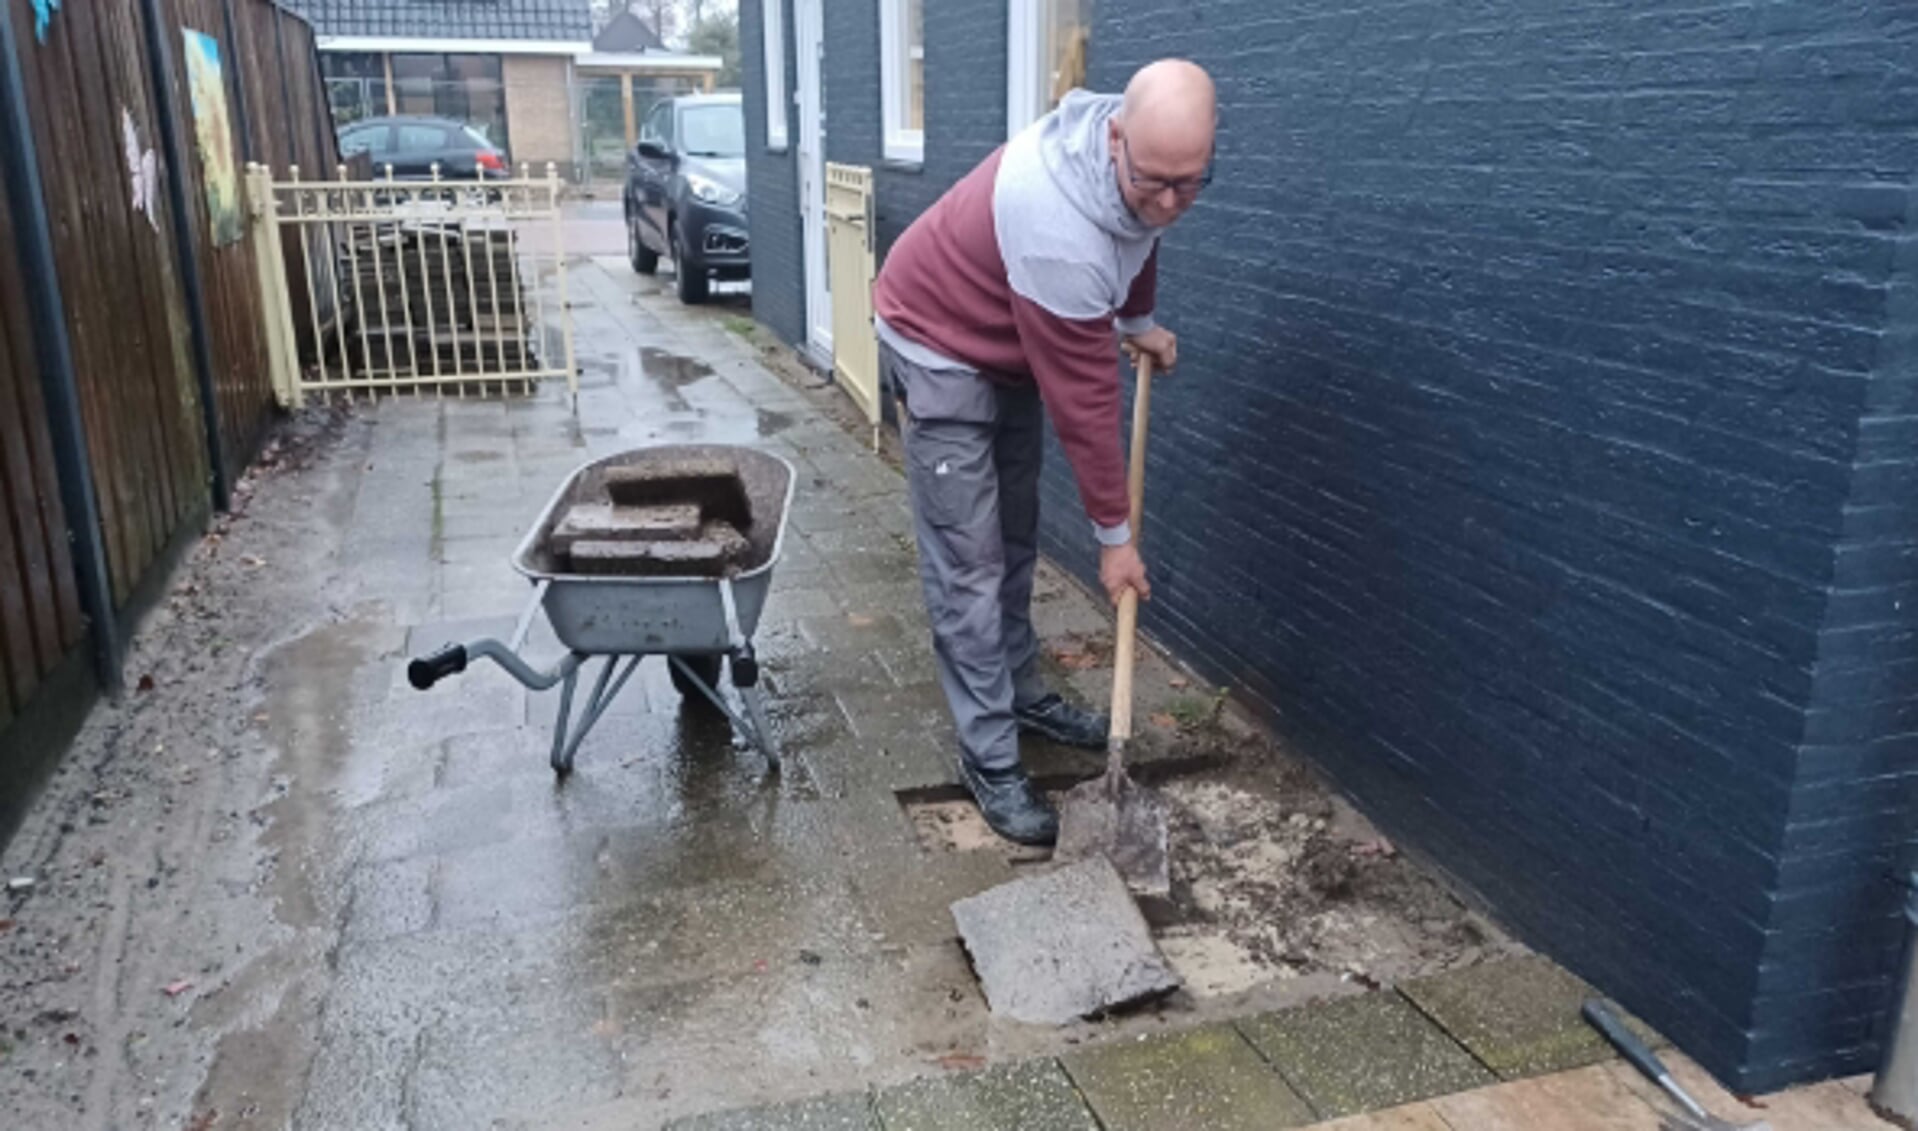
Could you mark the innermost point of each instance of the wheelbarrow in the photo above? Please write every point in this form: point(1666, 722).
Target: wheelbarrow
point(697, 623)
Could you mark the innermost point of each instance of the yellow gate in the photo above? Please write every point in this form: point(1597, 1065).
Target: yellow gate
point(432, 286)
point(849, 258)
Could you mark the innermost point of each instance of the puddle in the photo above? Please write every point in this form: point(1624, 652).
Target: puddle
point(671, 368)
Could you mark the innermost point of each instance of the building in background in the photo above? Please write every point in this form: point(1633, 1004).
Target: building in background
point(529, 75)
point(1542, 457)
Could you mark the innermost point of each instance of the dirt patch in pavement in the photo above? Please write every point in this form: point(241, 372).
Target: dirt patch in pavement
point(1276, 877)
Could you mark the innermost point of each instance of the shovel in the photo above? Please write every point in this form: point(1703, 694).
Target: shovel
point(1113, 815)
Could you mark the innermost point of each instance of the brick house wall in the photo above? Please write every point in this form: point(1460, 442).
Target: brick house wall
point(539, 110)
point(772, 183)
point(1542, 460)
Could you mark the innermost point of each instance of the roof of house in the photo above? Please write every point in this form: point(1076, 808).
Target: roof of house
point(626, 33)
point(546, 20)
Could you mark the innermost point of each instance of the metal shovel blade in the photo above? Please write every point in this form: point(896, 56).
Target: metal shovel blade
point(1116, 817)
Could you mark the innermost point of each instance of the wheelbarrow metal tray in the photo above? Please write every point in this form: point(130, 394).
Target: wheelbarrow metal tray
point(596, 614)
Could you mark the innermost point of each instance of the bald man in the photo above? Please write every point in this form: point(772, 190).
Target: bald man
point(1006, 301)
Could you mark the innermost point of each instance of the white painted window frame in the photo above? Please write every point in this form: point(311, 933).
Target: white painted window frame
point(773, 22)
point(1025, 46)
point(895, 84)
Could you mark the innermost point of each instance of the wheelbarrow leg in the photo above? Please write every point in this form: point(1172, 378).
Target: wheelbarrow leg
point(562, 754)
point(565, 745)
point(762, 730)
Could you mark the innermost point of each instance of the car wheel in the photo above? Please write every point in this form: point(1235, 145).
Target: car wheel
point(644, 259)
point(692, 283)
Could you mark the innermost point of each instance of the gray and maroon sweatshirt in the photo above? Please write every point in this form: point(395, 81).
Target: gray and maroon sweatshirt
point(1022, 271)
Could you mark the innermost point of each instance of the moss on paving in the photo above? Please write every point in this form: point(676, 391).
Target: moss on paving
point(1207, 1077)
point(1519, 1016)
point(1363, 1053)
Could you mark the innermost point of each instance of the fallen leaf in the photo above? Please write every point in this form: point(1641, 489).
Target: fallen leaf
point(1164, 720)
point(961, 1062)
point(1076, 661)
point(71, 1038)
point(5, 926)
point(859, 620)
point(252, 562)
point(1179, 682)
point(175, 989)
point(146, 683)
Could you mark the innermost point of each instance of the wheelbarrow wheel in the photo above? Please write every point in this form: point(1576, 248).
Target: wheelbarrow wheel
point(707, 668)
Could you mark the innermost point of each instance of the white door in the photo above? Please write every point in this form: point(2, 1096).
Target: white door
point(809, 46)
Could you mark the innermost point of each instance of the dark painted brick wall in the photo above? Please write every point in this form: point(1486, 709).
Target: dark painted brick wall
point(1541, 461)
point(778, 255)
point(965, 102)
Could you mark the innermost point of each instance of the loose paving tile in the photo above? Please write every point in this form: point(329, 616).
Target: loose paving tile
point(1031, 1096)
point(1061, 945)
point(1363, 1053)
point(1207, 1077)
point(1519, 1016)
point(828, 1113)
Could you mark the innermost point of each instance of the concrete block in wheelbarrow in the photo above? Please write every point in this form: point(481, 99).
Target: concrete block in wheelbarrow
point(717, 552)
point(1061, 945)
point(604, 522)
point(710, 483)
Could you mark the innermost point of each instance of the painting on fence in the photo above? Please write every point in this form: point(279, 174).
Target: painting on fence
point(214, 129)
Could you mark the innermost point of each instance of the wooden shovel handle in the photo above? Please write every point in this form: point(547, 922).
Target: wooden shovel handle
point(1129, 601)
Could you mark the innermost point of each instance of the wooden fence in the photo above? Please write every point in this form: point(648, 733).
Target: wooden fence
point(159, 307)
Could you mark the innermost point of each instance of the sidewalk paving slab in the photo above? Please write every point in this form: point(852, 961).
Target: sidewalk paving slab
point(1835, 1105)
point(1518, 1016)
point(1411, 1117)
point(1207, 1077)
point(1030, 1096)
point(1585, 1099)
point(828, 1113)
point(1363, 1053)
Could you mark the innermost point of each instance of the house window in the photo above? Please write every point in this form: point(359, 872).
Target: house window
point(470, 89)
point(1046, 56)
point(902, 77)
point(355, 85)
point(774, 12)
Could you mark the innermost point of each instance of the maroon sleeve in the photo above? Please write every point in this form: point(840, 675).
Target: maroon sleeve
point(1144, 296)
point(1075, 364)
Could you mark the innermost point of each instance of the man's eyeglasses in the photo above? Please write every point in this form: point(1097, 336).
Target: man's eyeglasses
point(1153, 186)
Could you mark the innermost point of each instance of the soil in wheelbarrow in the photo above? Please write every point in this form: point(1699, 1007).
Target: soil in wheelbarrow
point(1274, 877)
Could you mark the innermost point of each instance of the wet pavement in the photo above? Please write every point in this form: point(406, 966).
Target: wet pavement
point(379, 907)
point(279, 887)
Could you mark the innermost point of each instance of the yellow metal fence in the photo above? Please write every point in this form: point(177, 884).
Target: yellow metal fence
point(412, 286)
point(849, 258)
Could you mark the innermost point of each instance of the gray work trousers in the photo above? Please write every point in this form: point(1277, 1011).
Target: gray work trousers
point(973, 453)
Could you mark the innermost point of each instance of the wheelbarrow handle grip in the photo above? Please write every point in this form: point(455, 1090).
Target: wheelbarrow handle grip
point(429, 670)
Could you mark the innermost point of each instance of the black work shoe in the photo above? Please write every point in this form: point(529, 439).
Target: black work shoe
point(1010, 805)
point(1060, 721)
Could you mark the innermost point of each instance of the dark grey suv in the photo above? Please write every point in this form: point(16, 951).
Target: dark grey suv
point(686, 192)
